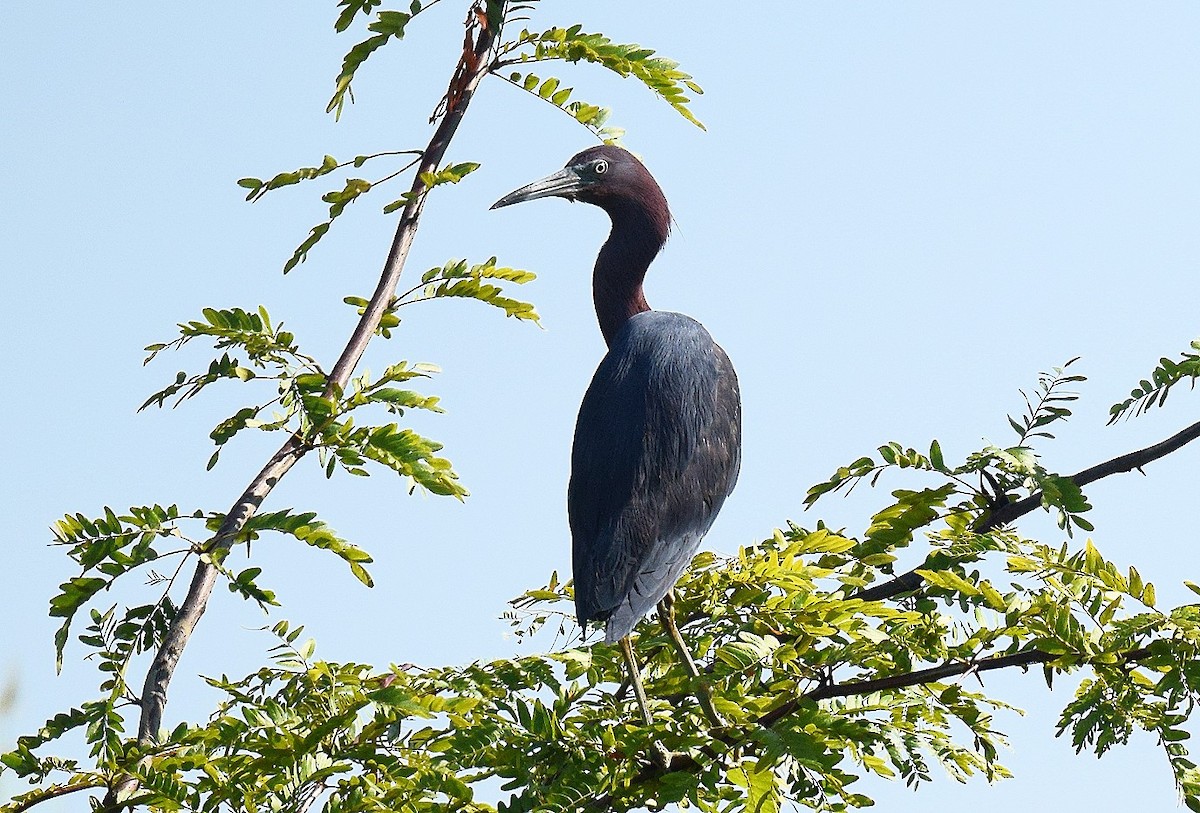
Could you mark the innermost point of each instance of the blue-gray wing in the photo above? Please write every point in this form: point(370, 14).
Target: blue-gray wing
point(657, 450)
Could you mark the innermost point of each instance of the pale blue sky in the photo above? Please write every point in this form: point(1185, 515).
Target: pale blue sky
point(899, 214)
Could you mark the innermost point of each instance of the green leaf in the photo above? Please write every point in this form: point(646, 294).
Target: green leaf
point(659, 74)
point(1154, 391)
point(350, 9)
point(259, 188)
point(301, 253)
point(251, 331)
point(448, 175)
point(353, 60)
point(950, 581)
point(457, 279)
point(245, 584)
point(338, 200)
point(1148, 597)
point(935, 456)
point(308, 529)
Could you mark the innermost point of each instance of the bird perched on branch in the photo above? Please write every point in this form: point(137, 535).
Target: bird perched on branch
point(658, 439)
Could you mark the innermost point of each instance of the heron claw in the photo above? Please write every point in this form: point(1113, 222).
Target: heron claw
point(662, 756)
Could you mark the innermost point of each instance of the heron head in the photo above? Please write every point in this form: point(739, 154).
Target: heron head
point(593, 176)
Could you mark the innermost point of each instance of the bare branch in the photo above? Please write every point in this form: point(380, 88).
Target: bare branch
point(905, 583)
point(1005, 514)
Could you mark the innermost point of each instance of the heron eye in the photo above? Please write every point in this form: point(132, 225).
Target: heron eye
point(600, 167)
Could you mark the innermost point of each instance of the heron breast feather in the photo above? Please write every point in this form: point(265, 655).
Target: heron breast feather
point(657, 449)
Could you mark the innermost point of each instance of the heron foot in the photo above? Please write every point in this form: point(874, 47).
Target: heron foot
point(666, 615)
point(635, 679)
point(662, 756)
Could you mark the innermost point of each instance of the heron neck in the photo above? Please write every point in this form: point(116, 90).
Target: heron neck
point(638, 234)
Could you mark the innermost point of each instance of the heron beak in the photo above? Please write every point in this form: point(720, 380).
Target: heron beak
point(565, 183)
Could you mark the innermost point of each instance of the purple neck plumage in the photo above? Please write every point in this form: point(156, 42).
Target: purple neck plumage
point(640, 222)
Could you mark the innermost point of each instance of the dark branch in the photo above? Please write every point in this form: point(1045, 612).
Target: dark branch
point(1118, 465)
point(687, 763)
point(1008, 512)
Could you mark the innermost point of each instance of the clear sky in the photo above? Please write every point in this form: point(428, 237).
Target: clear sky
point(899, 214)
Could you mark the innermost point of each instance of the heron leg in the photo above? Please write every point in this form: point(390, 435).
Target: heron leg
point(635, 679)
point(666, 615)
point(661, 754)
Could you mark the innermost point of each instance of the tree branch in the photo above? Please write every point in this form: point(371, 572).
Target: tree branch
point(55, 792)
point(687, 763)
point(469, 72)
point(1118, 465)
point(1008, 512)
point(154, 691)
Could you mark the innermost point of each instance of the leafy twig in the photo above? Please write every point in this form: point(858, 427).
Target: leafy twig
point(1153, 392)
point(1005, 514)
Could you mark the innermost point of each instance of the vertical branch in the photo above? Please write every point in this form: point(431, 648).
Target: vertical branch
point(472, 67)
point(478, 53)
point(154, 691)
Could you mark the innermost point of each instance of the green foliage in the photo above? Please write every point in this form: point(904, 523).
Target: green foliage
point(461, 280)
point(457, 279)
point(401, 450)
point(818, 689)
point(267, 346)
point(573, 45)
point(591, 116)
point(1153, 391)
point(270, 350)
point(304, 527)
point(111, 546)
point(450, 174)
point(1004, 474)
point(329, 164)
point(1048, 406)
point(352, 189)
point(305, 406)
point(386, 26)
point(311, 531)
point(447, 175)
point(659, 74)
point(338, 199)
point(352, 8)
point(106, 548)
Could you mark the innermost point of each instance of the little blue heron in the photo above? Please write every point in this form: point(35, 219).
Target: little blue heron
point(658, 439)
